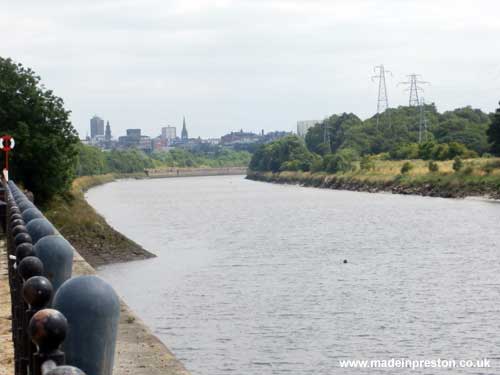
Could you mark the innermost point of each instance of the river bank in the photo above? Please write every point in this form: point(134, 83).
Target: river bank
point(88, 231)
point(444, 185)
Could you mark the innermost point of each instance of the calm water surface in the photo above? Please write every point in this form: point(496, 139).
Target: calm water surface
point(250, 279)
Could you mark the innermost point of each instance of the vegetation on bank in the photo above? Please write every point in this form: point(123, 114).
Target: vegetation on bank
point(87, 231)
point(93, 161)
point(475, 177)
point(431, 167)
point(344, 153)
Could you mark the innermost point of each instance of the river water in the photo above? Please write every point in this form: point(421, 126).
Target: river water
point(250, 277)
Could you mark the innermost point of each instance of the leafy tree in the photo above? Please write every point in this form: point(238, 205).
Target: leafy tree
point(44, 159)
point(341, 161)
point(494, 133)
point(288, 153)
point(91, 161)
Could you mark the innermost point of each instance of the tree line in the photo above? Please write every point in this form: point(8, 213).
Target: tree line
point(335, 144)
point(93, 161)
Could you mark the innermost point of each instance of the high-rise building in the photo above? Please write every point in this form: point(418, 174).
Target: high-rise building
point(96, 126)
point(303, 126)
point(107, 135)
point(169, 132)
point(184, 134)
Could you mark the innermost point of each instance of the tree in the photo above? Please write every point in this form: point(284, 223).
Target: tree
point(45, 155)
point(494, 133)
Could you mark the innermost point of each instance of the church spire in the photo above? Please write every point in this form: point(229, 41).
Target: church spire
point(184, 134)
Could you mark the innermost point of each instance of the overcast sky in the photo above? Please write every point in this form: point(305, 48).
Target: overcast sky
point(251, 64)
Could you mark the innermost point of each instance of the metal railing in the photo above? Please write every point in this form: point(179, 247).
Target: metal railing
point(60, 325)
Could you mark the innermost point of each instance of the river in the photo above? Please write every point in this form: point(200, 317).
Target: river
point(250, 277)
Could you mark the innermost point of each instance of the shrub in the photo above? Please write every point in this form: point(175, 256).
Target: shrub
point(433, 167)
point(458, 164)
point(468, 170)
point(317, 165)
point(341, 161)
point(407, 167)
point(367, 163)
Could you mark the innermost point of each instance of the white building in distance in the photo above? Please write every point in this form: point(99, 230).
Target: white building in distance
point(303, 126)
point(169, 132)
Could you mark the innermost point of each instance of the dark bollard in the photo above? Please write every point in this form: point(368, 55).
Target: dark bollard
point(22, 238)
point(24, 250)
point(47, 329)
point(16, 222)
point(15, 216)
point(30, 214)
point(57, 256)
point(37, 291)
point(93, 311)
point(39, 228)
point(65, 370)
point(18, 229)
point(29, 267)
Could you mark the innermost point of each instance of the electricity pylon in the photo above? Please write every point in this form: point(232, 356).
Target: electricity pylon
point(382, 101)
point(415, 101)
point(415, 89)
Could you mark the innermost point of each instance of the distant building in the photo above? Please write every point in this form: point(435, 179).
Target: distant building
point(273, 136)
point(134, 139)
point(239, 137)
point(96, 126)
point(184, 133)
point(107, 134)
point(303, 126)
point(169, 133)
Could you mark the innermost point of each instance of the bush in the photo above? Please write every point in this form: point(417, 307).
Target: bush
point(468, 170)
point(458, 164)
point(317, 165)
point(342, 161)
point(433, 167)
point(367, 163)
point(490, 166)
point(407, 167)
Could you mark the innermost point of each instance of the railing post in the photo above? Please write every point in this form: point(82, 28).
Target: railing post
point(37, 292)
point(47, 329)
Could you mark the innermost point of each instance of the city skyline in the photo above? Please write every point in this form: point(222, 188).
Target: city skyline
point(260, 65)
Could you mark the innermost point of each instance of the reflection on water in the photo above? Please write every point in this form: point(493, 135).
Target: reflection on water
point(250, 278)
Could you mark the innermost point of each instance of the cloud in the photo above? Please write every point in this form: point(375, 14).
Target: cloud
point(249, 64)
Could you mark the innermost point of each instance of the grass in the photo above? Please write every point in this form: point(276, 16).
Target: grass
point(479, 176)
point(88, 231)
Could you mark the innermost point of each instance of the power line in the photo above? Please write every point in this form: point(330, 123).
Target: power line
point(382, 101)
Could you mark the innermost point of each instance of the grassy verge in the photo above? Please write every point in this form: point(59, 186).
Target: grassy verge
point(478, 177)
point(87, 231)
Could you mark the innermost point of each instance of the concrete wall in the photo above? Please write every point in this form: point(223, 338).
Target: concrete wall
point(186, 172)
point(138, 351)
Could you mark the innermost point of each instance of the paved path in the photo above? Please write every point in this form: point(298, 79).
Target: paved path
point(6, 349)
